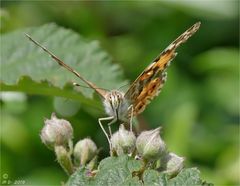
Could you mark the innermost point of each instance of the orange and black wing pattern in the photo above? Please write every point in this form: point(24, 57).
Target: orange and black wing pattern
point(150, 82)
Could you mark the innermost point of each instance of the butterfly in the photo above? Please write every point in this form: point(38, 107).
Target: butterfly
point(124, 106)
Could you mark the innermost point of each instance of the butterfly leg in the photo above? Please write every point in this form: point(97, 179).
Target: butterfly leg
point(110, 133)
point(104, 131)
point(109, 126)
point(131, 117)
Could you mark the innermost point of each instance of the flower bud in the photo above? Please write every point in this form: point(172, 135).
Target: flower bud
point(149, 144)
point(172, 164)
point(123, 141)
point(84, 151)
point(56, 132)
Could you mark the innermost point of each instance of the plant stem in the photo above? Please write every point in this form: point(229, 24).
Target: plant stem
point(64, 159)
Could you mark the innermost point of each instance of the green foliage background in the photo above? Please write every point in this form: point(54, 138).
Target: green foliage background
point(198, 107)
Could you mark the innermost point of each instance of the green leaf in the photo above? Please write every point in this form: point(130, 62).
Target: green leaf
point(111, 171)
point(79, 178)
point(119, 171)
point(115, 170)
point(131, 182)
point(152, 177)
point(29, 69)
point(190, 176)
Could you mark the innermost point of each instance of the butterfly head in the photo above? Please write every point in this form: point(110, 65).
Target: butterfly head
point(115, 104)
point(114, 98)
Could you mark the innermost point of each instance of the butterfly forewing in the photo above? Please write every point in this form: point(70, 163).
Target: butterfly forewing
point(151, 80)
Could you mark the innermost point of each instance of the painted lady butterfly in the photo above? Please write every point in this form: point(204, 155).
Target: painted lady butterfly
point(124, 106)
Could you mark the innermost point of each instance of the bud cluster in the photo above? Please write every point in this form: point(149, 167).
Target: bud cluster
point(149, 147)
point(57, 135)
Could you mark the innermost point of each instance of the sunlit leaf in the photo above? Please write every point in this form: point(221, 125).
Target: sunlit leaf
point(21, 58)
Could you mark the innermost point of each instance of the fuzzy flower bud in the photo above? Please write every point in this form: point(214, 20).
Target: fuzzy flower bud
point(149, 144)
point(84, 151)
point(56, 132)
point(172, 164)
point(123, 141)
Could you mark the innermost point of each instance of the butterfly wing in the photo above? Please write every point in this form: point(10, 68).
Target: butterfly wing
point(149, 83)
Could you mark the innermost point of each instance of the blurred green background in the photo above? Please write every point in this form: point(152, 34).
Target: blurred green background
point(198, 107)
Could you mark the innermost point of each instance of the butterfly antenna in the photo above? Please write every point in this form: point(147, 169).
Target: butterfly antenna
point(78, 85)
point(61, 63)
